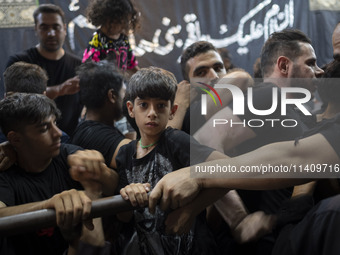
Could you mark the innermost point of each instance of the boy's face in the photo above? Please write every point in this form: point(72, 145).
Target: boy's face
point(39, 140)
point(151, 114)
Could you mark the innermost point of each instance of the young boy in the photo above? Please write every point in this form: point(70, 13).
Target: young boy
point(160, 150)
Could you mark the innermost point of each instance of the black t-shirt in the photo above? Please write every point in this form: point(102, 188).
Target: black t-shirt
point(19, 187)
point(330, 129)
point(172, 152)
point(98, 136)
point(268, 201)
point(58, 71)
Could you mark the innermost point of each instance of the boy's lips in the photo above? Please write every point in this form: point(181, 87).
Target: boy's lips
point(56, 144)
point(152, 124)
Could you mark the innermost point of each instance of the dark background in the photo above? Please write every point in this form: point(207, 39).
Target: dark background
point(167, 26)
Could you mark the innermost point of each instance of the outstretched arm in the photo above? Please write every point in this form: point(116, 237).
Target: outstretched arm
point(68, 87)
point(179, 188)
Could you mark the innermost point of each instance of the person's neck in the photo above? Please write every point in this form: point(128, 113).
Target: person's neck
point(112, 37)
point(279, 81)
point(104, 117)
point(146, 144)
point(54, 55)
point(33, 165)
point(331, 110)
point(149, 141)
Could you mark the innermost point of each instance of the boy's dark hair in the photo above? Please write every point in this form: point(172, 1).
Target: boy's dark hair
point(192, 51)
point(95, 80)
point(99, 12)
point(21, 109)
point(26, 78)
point(48, 8)
point(284, 43)
point(152, 82)
point(329, 89)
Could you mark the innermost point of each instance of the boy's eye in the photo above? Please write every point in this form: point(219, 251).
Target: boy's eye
point(161, 106)
point(143, 104)
point(44, 128)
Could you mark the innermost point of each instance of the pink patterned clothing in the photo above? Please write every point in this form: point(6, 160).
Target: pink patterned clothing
point(102, 47)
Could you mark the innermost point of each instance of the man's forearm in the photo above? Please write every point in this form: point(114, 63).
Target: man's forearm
point(206, 197)
point(109, 182)
point(13, 210)
point(282, 153)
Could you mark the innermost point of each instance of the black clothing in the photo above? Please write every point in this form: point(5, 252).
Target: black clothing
point(146, 234)
point(98, 136)
point(19, 187)
point(58, 71)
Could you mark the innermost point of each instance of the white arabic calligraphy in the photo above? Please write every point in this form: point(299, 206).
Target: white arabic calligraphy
point(274, 21)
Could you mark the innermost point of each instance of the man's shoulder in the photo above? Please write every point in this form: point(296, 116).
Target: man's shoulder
point(30, 56)
point(95, 128)
point(67, 149)
point(70, 56)
point(266, 87)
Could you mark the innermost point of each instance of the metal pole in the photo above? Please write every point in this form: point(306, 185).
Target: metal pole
point(31, 221)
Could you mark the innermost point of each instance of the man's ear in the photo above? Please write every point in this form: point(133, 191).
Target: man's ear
point(111, 96)
point(283, 63)
point(129, 106)
point(173, 111)
point(14, 138)
point(65, 29)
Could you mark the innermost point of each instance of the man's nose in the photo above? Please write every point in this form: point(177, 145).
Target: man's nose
point(212, 75)
point(318, 71)
point(51, 32)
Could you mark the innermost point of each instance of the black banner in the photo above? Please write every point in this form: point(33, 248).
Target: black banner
point(167, 27)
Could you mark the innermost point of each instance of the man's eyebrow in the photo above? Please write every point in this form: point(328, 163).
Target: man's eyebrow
point(218, 64)
point(200, 68)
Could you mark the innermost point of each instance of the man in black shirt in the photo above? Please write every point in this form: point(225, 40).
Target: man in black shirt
point(102, 92)
point(63, 85)
point(41, 177)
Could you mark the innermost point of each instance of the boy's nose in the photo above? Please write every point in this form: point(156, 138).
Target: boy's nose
point(56, 131)
point(152, 112)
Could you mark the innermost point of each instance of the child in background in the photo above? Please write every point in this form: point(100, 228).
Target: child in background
point(160, 150)
point(115, 18)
